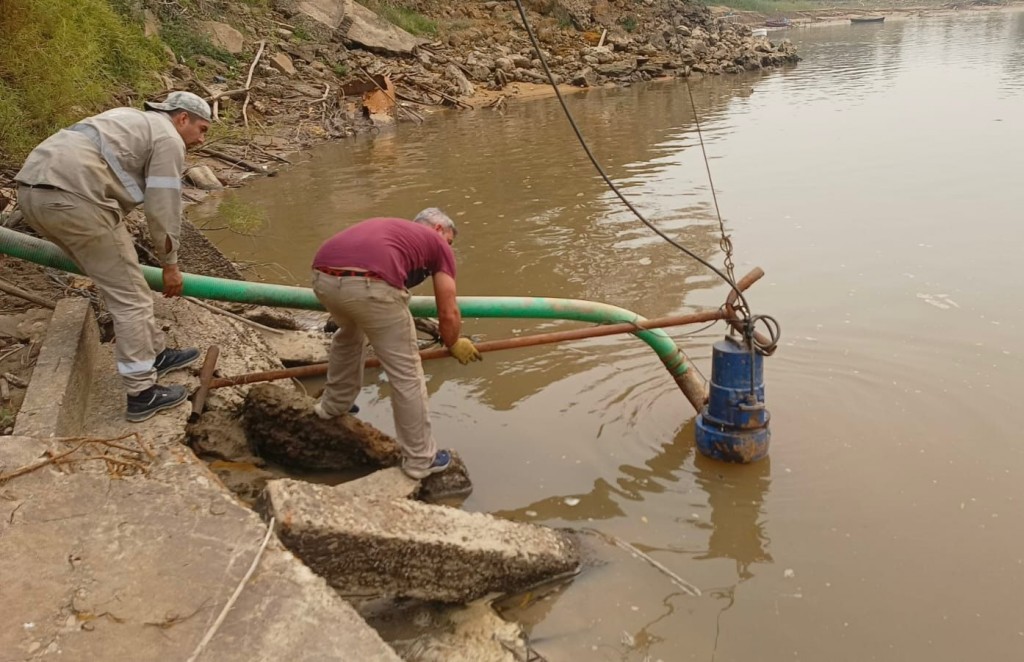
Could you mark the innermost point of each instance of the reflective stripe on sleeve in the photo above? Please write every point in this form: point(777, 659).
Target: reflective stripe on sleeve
point(129, 184)
point(163, 182)
point(135, 367)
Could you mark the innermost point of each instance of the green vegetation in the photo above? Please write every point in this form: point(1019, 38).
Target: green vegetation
point(628, 23)
point(187, 44)
point(411, 21)
point(340, 70)
point(62, 60)
point(302, 34)
point(6, 418)
point(242, 217)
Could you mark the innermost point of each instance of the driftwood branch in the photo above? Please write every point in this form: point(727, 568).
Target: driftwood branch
point(248, 81)
point(441, 94)
point(269, 155)
point(50, 459)
point(62, 458)
point(226, 313)
point(231, 160)
point(227, 94)
point(14, 380)
point(14, 290)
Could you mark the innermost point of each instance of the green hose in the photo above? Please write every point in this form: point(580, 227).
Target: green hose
point(25, 247)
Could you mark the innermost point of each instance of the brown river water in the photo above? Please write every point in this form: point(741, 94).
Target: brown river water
point(878, 183)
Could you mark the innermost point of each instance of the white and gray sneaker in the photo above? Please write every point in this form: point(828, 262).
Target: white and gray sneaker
point(175, 359)
point(155, 398)
point(442, 460)
point(318, 409)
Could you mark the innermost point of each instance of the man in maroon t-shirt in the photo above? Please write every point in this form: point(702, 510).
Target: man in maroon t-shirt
point(361, 276)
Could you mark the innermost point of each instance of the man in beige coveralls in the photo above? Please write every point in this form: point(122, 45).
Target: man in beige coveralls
point(75, 188)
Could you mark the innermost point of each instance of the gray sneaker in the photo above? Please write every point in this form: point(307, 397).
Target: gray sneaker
point(153, 399)
point(175, 359)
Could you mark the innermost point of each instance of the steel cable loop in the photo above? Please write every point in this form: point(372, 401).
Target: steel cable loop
point(773, 328)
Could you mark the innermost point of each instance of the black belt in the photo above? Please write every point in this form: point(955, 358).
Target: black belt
point(47, 187)
point(347, 273)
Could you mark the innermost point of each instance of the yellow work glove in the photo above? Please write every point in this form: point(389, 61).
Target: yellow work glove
point(465, 351)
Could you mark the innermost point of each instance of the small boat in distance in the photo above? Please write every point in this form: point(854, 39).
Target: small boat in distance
point(777, 23)
point(867, 19)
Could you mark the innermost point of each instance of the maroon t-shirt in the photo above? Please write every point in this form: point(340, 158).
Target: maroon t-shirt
point(401, 252)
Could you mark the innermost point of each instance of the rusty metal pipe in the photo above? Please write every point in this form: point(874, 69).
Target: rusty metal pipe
point(320, 369)
point(730, 301)
point(205, 380)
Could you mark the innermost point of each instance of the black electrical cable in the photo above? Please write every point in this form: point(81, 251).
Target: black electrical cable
point(773, 325)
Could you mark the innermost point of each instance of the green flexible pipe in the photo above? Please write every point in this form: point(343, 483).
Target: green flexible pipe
point(25, 247)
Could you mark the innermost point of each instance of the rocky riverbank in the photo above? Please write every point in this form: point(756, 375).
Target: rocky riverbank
point(298, 72)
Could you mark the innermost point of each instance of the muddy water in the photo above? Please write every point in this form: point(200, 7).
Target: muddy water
point(878, 185)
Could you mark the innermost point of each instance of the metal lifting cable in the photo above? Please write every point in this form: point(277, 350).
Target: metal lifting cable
point(726, 244)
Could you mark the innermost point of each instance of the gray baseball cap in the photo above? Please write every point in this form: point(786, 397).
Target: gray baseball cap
point(183, 101)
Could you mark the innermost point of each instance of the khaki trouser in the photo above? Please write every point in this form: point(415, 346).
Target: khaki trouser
point(100, 244)
point(367, 308)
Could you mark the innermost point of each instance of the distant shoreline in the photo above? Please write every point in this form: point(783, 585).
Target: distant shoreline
point(842, 15)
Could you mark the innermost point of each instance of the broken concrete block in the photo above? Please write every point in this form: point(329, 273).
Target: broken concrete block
point(282, 63)
point(466, 88)
point(57, 397)
point(202, 177)
point(223, 36)
point(406, 548)
point(281, 426)
point(363, 27)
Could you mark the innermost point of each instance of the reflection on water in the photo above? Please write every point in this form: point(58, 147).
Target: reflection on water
point(877, 183)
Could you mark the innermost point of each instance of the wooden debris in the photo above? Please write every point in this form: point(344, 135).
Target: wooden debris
point(14, 290)
point(221, 311)
point(231, 160)
point(14, 380)
point(248, 81)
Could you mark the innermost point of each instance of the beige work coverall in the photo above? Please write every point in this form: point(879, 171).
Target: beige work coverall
point(99, 170)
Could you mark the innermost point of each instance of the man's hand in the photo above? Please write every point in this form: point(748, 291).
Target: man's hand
point(465, 351)
point(173, 281)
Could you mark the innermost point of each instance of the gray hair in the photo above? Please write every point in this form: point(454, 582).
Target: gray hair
point(433, 216)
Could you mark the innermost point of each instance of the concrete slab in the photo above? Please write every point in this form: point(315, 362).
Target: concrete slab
point(406, 548)
point(56, 399)
point(299, 347)
point(139, 567)
point(384, 484)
